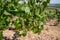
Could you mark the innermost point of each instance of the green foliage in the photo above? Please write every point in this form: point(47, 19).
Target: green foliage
point(1, 35)
point(4, 22)
point(51, 14)
point(30, 14)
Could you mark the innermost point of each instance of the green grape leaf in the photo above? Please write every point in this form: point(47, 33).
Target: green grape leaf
point(6, 13)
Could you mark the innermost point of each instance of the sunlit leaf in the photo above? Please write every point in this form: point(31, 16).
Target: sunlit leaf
point(6, 13)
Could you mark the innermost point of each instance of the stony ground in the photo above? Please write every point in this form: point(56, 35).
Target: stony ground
point(50, 32)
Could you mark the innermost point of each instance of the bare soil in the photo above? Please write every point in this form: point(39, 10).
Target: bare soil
point(50, 32)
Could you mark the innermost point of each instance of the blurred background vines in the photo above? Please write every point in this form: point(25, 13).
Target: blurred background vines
point(29, 15)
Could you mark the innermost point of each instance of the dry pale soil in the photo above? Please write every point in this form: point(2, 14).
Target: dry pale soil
point(50, 32)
